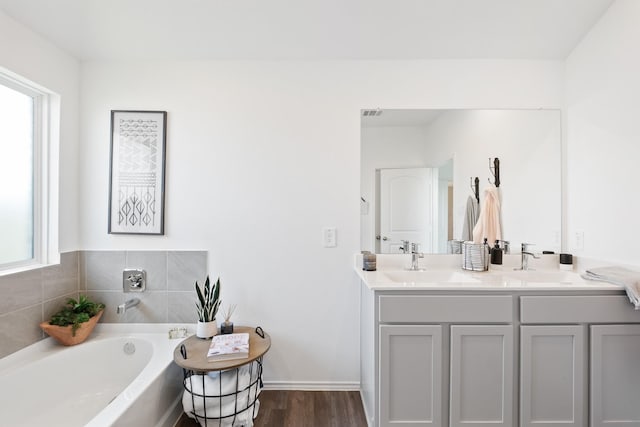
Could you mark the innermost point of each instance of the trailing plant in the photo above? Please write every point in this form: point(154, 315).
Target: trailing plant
point(76, 312)
point(208, 300)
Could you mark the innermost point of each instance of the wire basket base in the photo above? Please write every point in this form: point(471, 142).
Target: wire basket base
point(223, 398)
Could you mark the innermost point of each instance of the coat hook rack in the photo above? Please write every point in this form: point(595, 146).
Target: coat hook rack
point(475, 187)
point(495, 171)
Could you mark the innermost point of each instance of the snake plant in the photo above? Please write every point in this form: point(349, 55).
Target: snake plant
point(208, 300)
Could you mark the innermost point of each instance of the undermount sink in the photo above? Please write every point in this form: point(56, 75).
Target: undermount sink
point(542, 277)
point(535, 276)
point(430, 276)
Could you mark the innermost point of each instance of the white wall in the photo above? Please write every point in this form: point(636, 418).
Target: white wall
point(603, 151)
point(261, 156)
point(27, 54)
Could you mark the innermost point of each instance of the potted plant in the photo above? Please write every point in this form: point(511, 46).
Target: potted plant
point(207, 307)
point(74, 322)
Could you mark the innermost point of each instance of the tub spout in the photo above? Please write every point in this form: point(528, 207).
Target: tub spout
point(127, 305)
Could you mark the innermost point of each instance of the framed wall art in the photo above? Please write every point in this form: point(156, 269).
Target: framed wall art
point(137, 167)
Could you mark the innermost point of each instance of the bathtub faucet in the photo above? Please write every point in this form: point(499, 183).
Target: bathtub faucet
point(127, 305)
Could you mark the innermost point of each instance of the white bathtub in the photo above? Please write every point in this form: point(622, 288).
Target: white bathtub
point(96, 383)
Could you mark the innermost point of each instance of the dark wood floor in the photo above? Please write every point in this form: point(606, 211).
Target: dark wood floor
point(305, 409)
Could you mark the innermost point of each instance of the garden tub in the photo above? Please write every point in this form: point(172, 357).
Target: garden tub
point(122, 375)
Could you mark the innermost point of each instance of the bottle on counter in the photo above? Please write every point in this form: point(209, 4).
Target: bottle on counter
point(566, 262)
point(496, 254)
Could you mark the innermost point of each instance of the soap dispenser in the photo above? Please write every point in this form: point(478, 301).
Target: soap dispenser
point(496, 254)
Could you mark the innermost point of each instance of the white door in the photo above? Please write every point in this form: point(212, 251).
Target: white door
point(405, 208)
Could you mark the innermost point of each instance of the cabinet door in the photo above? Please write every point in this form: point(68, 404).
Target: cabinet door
point(615, 375)
point(552, 376)
point(481, 376)
point(410, 375)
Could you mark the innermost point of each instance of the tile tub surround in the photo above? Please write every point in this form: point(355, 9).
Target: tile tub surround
point(30, 297)
point(171, 275)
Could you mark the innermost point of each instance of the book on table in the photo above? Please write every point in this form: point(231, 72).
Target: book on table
point(228, 347)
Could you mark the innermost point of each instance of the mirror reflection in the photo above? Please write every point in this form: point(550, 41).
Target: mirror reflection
point(418, 169)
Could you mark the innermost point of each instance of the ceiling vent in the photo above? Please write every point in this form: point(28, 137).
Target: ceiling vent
point(371, 113)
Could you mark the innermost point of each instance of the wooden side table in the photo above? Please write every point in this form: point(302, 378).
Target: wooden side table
point(219, 393)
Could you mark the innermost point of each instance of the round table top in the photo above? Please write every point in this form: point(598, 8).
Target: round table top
point(197, 349)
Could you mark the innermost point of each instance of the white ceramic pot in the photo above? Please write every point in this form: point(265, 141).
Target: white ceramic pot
point(206, 329)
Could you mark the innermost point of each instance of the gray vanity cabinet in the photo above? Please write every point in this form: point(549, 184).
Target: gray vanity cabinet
point(552, 376)
point(445, 360)
point(410, 375)
point(481, 375)
point(481, 385)
point(521, 358)
point(615, 375)
point(559, 369)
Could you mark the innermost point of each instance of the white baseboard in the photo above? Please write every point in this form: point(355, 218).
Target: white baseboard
point(366, 414)
point(312, 386)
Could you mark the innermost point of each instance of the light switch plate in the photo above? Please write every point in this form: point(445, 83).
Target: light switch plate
point(329, 237)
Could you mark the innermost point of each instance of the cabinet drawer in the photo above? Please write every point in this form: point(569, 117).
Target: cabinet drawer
point(446, 308)
point(578, 309)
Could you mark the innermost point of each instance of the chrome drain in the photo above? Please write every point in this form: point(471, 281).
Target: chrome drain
point(129, 348)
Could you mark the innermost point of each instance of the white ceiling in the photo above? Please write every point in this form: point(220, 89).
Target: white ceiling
point(310, 29)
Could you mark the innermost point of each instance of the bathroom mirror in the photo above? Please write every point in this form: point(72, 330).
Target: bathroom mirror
point(438, 154)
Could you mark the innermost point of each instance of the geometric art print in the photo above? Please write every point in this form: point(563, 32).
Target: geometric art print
point(136, 201)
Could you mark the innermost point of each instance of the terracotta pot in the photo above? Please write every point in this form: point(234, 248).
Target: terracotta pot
point(64, 334)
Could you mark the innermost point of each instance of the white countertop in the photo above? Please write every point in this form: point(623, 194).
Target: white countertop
point(444, 272)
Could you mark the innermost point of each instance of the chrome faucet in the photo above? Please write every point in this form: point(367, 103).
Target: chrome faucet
point(504, 244)
point(415, 255)
point(524, 256)
point(127, 305)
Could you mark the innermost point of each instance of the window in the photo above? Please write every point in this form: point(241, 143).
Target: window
point(25, 173)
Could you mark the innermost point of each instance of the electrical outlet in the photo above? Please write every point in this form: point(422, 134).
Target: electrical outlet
point(579, 240)
point(329, 238)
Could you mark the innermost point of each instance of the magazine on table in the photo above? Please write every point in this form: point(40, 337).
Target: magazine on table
point(229, 346)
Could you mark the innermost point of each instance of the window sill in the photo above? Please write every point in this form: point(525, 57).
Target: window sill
point(24, 268)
